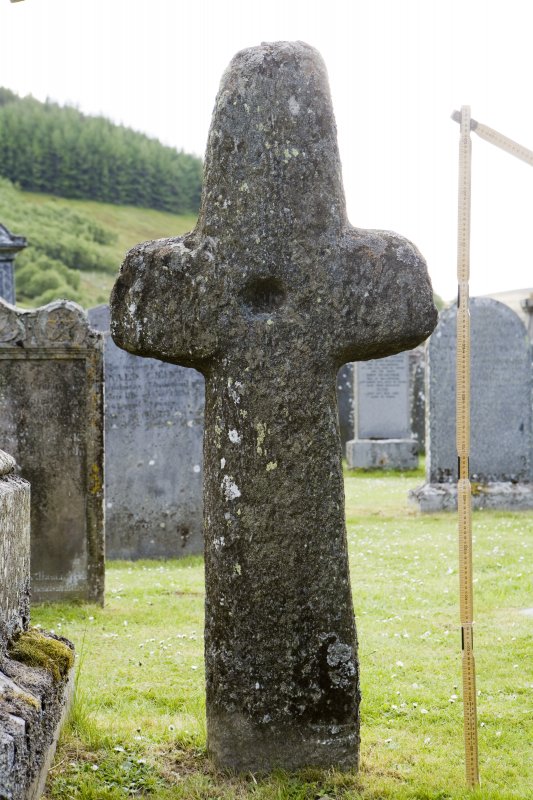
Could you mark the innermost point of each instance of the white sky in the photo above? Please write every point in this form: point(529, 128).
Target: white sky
point(397, 68)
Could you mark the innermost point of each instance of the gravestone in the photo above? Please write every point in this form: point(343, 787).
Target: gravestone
point(527, 305)
point(384, 438)
point(417, 378)
point(501, 447)
point(154, 414)
point(10, 245)
point(32, 703)
point(346, 404)
point(51, 421)
point(268, 297)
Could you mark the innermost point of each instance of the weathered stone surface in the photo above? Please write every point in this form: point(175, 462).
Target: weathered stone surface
point(32, 703)
point(10, 245)
point(270, 294)
point(51, 421)
point(154, 415)
point(501, 454)
point(14, 551)
point(399, 454)
point(33, 707)
point(383, 435)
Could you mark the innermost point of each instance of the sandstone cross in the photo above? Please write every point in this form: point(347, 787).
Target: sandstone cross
point(267, 297)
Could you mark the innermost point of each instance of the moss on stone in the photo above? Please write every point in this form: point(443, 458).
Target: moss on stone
point(36, 649)
point(23, 697)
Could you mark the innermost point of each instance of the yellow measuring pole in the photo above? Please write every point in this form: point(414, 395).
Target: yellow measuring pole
point(498, 139)
point(464, 495)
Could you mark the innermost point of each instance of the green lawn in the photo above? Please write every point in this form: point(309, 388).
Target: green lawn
point(137, 728)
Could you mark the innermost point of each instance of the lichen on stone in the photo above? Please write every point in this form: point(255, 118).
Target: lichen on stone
point(37, 649)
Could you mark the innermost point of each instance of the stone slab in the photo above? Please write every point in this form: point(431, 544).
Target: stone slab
point(501, 407)
point(154, 415)
point(383, 398)
point(14, 552)
point(382, 454)
point(346, 404)
point(434, 497)
point(417, 381)
point(33, 709)
point(51, 421)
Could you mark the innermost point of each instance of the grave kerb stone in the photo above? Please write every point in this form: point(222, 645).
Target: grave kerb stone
point(33, 705)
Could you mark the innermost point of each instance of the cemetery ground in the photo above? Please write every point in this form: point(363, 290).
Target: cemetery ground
point(137, 728)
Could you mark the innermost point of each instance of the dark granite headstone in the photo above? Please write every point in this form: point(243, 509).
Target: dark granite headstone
point(417, 380)
point(10, 245)
point(51, 421)
point(501, 448)
point(268, 297)
point(154, 415)
point(383, 435)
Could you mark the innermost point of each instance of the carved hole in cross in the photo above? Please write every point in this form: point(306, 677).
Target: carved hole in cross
point(264, 295)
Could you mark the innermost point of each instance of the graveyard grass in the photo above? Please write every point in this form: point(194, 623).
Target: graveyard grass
point(137, 728)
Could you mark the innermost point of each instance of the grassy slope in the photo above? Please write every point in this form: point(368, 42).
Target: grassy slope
point(138, 723)
point(131, 224)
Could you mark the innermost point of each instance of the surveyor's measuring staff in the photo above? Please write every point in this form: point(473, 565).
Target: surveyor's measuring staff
point(464, 499)
point(464, 503)
point(498, 139)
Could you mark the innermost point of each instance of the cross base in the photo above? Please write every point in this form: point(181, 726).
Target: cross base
point(236, 743)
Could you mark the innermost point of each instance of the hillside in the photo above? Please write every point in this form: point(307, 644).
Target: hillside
point(45, 147)
point(75, 247)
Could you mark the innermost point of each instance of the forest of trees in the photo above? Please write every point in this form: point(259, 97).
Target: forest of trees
point(58, 150)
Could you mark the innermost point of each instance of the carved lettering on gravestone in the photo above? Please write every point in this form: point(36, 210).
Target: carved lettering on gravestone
point(384, 439)
point(270, 294)
point(383, 408)
point(153, 458)
point(51, 421)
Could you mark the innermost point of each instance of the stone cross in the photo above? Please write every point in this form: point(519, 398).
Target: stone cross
point(269, 295)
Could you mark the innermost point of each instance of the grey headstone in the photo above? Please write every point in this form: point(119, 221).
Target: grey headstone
point(501, 454)
point(346, 404)
point(51, 421)
point(268, 297)
point(527, 305)
point(10, 245)
point(383, 435)
point(417, 372)
point(153, 453)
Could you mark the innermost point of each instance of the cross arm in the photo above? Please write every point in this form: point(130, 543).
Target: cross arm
point(159, 305)
point(384, 295)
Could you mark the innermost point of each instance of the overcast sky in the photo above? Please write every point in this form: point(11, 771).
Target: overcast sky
point(397, 69)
